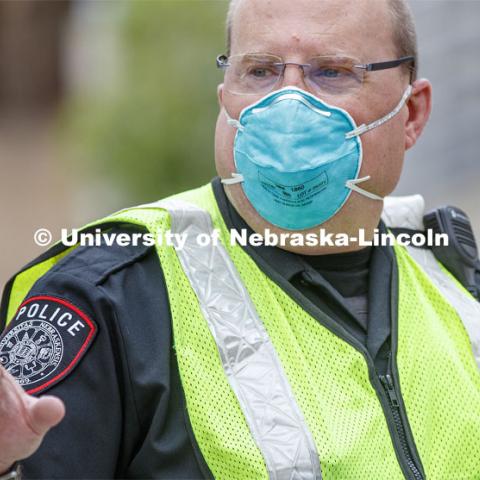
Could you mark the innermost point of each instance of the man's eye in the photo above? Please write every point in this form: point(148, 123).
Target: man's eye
point(329, 73)
point(259, 72)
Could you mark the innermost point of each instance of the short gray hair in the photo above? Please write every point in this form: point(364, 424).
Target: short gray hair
point(404, 33)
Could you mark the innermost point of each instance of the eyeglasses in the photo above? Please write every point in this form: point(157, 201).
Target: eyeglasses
point(260, 73)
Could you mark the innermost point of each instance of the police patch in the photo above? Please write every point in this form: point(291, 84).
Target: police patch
point(45, 341)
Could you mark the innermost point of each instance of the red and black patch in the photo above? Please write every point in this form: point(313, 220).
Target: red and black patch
point(45, 341)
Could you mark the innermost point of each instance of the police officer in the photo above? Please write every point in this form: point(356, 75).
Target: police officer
point(239, 361)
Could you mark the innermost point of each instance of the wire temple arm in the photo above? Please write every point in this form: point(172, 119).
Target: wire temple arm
point(371, 67)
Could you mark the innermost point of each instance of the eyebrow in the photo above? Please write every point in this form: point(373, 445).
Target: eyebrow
point(330, 54)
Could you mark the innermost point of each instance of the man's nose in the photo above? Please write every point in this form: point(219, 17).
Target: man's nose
point(294, 76)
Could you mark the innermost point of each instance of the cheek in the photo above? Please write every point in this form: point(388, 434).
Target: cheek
point(383, 153)
point(225, 134)
point(224, 138)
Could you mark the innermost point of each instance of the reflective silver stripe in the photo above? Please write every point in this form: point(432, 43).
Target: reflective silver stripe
point(467, 308)
point(247, 354)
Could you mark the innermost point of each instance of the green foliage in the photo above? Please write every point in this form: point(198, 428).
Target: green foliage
point(154, 135)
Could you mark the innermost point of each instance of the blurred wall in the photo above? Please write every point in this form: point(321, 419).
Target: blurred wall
point(34, 188)
point(445, 164)
point(84, 83)
point(30, 50)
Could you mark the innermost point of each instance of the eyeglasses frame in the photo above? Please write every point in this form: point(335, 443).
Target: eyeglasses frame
point(222, 63)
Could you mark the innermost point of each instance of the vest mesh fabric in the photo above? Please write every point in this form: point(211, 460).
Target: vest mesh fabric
point(329, 378)
point(439, 377)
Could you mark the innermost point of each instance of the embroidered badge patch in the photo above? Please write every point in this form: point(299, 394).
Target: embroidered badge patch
point(45, 341)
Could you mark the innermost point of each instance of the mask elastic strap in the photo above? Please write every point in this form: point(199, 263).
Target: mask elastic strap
point(365, 128)
point(236, 178)
point(231, 121)
point(353, 185)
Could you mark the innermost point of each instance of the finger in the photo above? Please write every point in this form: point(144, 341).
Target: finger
point(45, 413)
point(7, 380)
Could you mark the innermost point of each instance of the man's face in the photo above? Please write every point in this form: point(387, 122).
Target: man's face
point(300, 30)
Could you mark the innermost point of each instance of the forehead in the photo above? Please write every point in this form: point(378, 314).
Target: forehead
point(298, 28)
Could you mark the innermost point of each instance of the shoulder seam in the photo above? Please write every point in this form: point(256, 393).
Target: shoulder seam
point(112, 264)
point(122, 265)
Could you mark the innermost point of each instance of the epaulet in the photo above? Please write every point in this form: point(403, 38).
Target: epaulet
point(95, 263)
point(404, 212)
point(459, 255)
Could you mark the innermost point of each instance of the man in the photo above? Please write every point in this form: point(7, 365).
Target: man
point(306, 361)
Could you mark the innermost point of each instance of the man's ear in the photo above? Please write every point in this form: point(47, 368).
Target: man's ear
point(220, 95)
point(419, 107)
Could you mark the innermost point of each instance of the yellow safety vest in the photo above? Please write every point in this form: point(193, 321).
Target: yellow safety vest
point(272, 392)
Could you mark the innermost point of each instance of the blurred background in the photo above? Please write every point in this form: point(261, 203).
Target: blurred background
point(105, 104)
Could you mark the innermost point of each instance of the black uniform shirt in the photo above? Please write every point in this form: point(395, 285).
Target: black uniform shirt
point(125, 406)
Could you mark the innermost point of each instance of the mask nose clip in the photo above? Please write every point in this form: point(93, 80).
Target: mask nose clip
point(299, 98)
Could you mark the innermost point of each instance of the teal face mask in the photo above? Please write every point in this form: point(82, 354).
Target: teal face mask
point(298, 158)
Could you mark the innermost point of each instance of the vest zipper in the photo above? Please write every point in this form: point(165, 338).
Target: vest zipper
point(389, 387)
point(390, 401)
point(395, 417)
